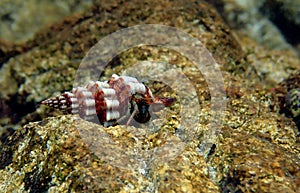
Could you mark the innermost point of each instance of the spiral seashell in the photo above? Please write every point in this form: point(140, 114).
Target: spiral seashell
point(293, 105)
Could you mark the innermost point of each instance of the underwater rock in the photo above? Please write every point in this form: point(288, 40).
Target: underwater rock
point(255, 149)
point(65, 154)
point(53, 156)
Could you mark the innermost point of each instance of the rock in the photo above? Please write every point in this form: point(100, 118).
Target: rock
point(249, 146)
point(254, 151)
point(52, 156)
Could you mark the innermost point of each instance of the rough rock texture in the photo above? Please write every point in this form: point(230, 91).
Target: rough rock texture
point(51, 156)
point(257, 148)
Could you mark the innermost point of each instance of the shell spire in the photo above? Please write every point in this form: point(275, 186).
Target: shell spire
point(67, 102)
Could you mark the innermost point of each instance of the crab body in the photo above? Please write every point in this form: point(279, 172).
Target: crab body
point(118, 98)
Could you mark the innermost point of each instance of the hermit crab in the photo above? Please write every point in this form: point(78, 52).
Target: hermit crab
point(111, 102)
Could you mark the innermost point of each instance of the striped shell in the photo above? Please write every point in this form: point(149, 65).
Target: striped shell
point(107, 101)
point(293, 105)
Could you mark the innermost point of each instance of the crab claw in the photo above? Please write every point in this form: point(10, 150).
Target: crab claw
point(167, 102)
point(160, 103)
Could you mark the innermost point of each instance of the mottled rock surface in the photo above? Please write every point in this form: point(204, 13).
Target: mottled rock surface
point(52, 156)
point(256, 149)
